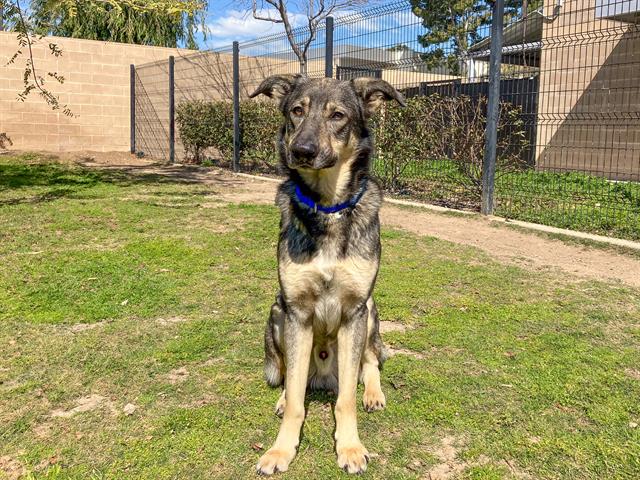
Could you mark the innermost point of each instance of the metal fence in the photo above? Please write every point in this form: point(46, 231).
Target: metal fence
point(567, 141)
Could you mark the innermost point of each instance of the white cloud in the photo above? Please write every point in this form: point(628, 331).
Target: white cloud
point(240, 25)
point(352, 27)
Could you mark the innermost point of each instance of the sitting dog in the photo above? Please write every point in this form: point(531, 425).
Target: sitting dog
point(323, 331)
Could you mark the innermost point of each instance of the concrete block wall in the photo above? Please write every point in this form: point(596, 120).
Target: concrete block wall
point(96, 89)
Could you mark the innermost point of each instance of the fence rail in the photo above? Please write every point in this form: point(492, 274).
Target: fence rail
point(567, 142)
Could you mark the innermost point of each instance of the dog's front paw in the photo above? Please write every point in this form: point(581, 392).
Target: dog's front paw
point(275, 460)
point(353, 458)
point(373, 400)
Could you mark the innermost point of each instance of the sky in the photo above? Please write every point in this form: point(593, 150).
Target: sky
point(228, 21)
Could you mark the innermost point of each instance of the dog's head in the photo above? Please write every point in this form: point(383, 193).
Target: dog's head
point(325, 119)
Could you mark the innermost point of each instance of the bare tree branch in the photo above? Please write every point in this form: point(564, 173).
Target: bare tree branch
point(316, 12)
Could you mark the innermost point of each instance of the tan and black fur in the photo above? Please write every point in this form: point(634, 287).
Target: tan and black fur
point(323, 331)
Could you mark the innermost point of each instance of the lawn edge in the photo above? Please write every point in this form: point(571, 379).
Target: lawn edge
point(619, 242)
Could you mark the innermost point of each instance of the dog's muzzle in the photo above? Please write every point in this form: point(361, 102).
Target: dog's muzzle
point(304, 152)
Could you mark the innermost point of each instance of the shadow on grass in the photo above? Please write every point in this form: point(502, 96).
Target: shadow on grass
point(60, 180)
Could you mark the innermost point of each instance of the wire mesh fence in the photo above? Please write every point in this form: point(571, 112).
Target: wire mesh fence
point(568, 138)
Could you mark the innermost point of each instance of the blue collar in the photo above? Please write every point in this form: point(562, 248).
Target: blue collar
point(352, 202)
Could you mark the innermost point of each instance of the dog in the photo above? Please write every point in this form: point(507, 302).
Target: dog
point(323, 330)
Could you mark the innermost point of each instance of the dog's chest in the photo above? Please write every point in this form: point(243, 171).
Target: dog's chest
point(327, 285)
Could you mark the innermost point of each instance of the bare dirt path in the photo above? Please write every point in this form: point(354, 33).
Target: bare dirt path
point(509, 246)
point(505, 245)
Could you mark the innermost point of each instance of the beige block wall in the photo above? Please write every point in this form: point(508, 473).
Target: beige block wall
point(96, 89)
point(589, 101)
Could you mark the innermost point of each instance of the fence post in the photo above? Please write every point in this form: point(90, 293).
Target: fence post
point(132, 95)
point(236, 106)
point(493, 109)
point(172, 111)
point(328, 48)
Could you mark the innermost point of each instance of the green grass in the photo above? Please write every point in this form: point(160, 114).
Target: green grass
point(572, 200)
point(110, 282)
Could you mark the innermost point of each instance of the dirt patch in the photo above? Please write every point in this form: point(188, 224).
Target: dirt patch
point(620, 331)
point(83, 327)
point(633, 373)
point(170, 321)
point(43, 430)
point(393, 351)
point(205, 401)
point(122, 159)
point(229, 188)
point(432, 351)
point(210, 362)
point(513, 247)
point(12, 468)
point(178, 375)
point(85, 404)
point(450, 466)
point(386, 327)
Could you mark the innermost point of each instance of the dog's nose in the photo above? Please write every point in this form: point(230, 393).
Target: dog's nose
point(304, 150)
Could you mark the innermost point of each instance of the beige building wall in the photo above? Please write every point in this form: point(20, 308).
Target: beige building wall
point(407, 78)
point(96, 89)
point(589, 101)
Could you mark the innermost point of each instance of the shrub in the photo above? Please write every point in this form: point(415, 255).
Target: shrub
point(259, 124)
point(4, 141)
point(205, 125)
point(449, 131)
point(444, 134)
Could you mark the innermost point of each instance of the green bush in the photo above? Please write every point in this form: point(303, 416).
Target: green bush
point(259, 124)
point(433, 130)
point(209, 125)
point(429, 130)
point(203, 125)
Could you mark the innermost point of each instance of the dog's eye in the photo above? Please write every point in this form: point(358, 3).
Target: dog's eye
point(337, 116)
point(298, 111)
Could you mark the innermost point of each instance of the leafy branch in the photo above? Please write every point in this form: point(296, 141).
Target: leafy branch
point(149, 22)
point(32, 79)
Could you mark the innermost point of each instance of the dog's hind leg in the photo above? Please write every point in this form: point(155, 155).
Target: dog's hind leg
point(374, 355)
point(298, 339)
point(352, 456)
point(274, 368)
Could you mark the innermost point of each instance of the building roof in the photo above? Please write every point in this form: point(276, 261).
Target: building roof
point(522, 40)
point(621, 10)
point(370, 56)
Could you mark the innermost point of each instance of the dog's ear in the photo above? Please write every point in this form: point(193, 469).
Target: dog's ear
point(277, 86)
point(374, 92)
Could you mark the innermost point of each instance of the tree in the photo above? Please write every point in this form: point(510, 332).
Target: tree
point(452, 27)
point(126, 22)
point(30, 29)
point(316, 12)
